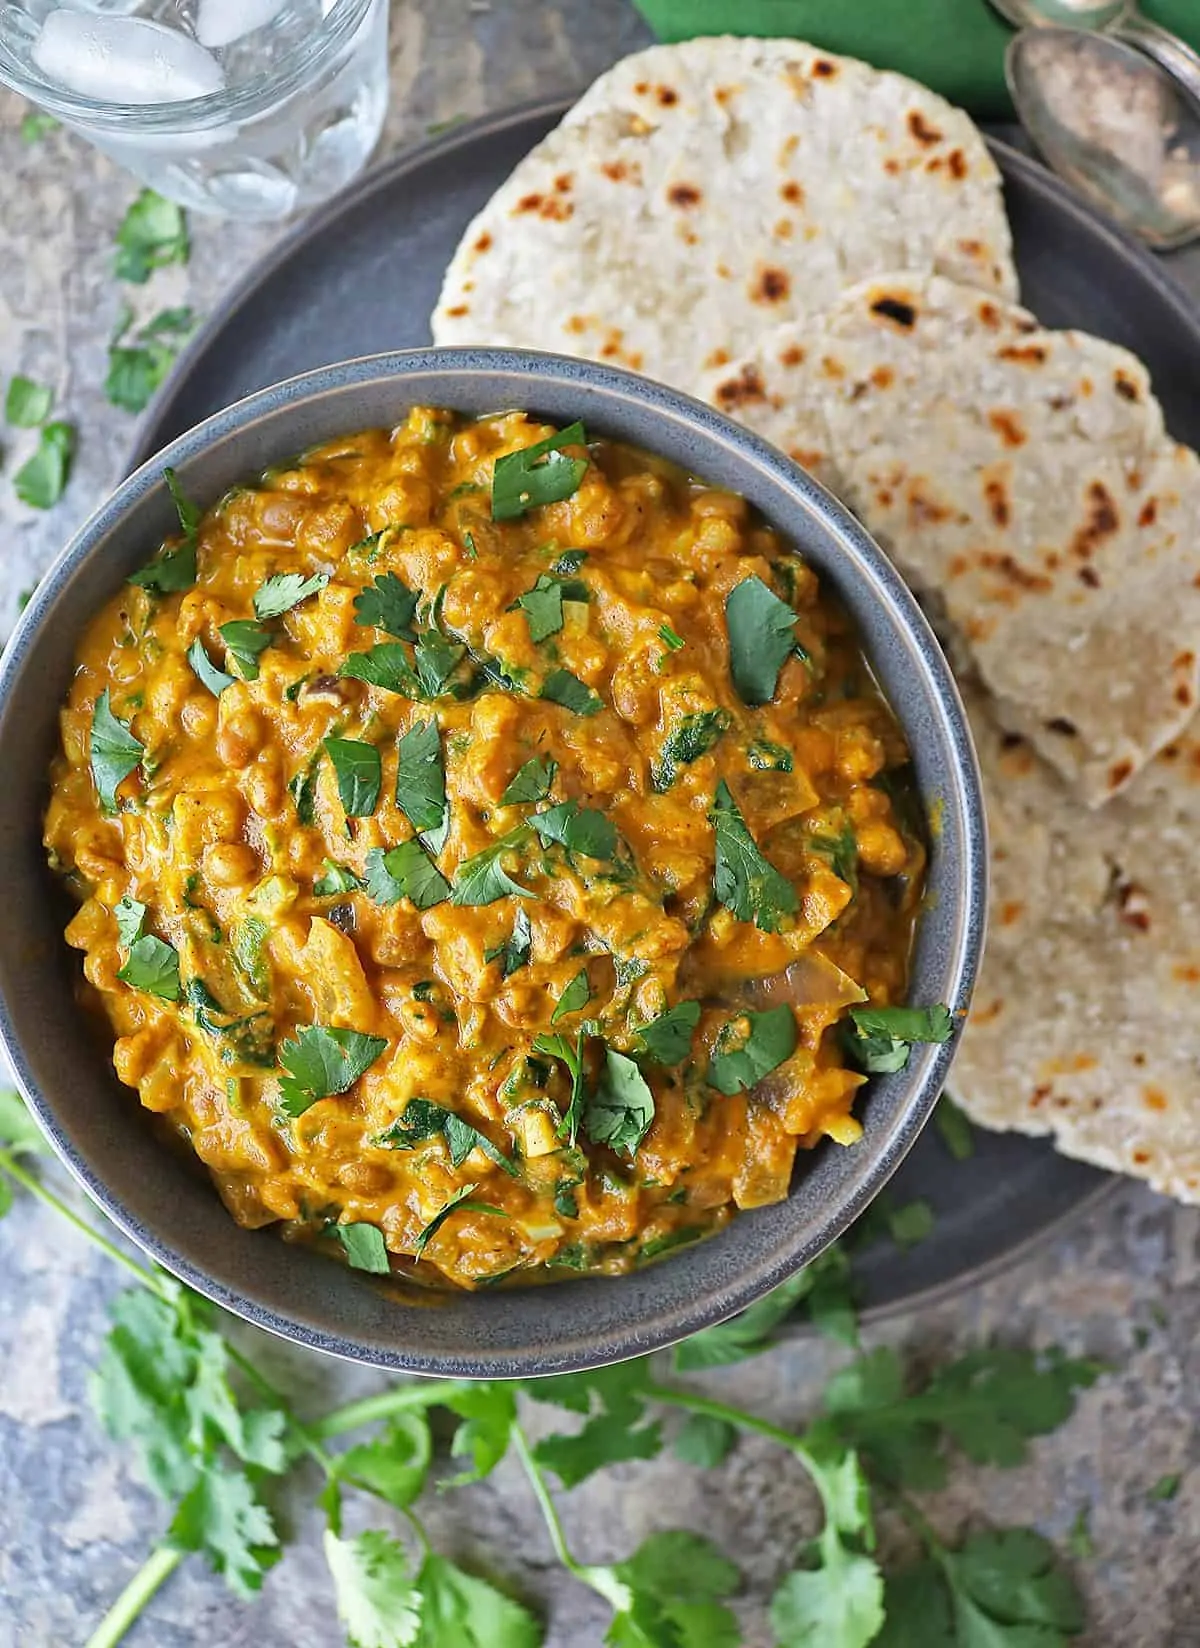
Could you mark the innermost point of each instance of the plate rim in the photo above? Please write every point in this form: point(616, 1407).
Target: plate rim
point(385, 176)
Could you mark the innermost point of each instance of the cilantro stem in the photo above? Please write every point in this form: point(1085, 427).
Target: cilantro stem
point(274, 1396)
point(746, 1422)
point(614, 1591)
point(428, 1394)
point(157, 1568)
point(28, 1181)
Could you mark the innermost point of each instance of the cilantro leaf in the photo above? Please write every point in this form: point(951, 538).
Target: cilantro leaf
point(421, 779)
point(840, 852)
point(222, 1516)
point(745, 882)
point(1010, 1576)
point(620, 1109)
point(675, 1580)
point(27, 403)
point(42, 478)
point(114, 752)
point(285, 590)
point(764, 756)
point(917, 1608)
point(152, 966)
point(668, 1038)
point(387, 604)
point(460, 1611)
point(543, 608)
point(377, 1601)
point(911, 1223)
point(956, 1131)
point(483, 879)
point(206, 671)
point(558, 1047)
point(175, 569)
point(880, 1039)
point(705, 1441)
point(839, 1602)
point(131, 917)
point(691, 738)
point(358, 768)
point(749, 1333)
point(364, 1247)
point(395, 1463)
point(385, 666)
point(138, 1388)
point(606, 1439)
point(19, 1133)
point(408, 872)
point(488, 1411)
point(516, 951)
point(302, 787)
point(536, 475)
point(153, 233)
point(530, 783)
point(337, 879)
point(574, 998)
point(578, 829)
point(761, 637)
point(561, 687)
point(138, 367)
point(435, 659)
point(244, 641)
point(460, 1201)
point(750, 1047)
point(422, 1119)
point(322, 1062)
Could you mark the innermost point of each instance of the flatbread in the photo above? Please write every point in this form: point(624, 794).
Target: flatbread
point(701, 192)
point(1023, 480)
point(1086, 1020)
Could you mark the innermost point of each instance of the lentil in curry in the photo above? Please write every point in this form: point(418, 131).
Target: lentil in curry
point(478, 861)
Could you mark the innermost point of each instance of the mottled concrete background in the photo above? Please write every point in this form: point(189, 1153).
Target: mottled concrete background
point(74, 1523)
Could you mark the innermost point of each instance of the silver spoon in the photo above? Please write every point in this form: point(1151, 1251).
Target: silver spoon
point(1112, 122)
point(1120, 17)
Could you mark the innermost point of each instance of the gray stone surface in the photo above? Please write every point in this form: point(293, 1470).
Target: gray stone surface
point(74, 1522)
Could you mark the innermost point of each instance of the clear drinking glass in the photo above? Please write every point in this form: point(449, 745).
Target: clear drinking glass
point(242, 108)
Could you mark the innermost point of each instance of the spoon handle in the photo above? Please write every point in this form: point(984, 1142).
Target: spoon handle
point(1167, 49)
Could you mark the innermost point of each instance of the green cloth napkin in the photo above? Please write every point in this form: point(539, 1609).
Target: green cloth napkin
point(954, 46)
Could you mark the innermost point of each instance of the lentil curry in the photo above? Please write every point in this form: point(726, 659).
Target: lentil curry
point(485, 842)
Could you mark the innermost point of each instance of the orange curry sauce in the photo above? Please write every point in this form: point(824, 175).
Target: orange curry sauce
point(459, 1065)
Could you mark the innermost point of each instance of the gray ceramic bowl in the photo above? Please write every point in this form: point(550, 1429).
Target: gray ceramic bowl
point(104, 1137)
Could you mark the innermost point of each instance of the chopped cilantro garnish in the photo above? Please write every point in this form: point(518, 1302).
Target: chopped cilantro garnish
point(138, 366)
point(336, 879)
point(693, 737)
point(516, 951)
point(364, 1247)
point(423, 1120)
point(574, 998)
point(244, 641)
point(41, 479)
point(539, 474)
point(881, 1037)
point(435, 659)
point(385, 666)
point(621, 1107)
point(27, 403)
point(421, 783)
point(761, 637)
point(114, 752)
point(461, 1202)
point(578, 829)
point(543, 608)
point(531, 783)
point(322, 1062)
point(131, 917)
point(561, 687)
point(957, 1134)
point(750, 1047)
point(840, 852)
point(408, 872)
point(176, 569)
point(203, 667)
point(153, 233)
point(358, 768)
point(670, 638)
point(764, 756)
point(152, 966)
point(279, 594)
point(668, 1038)
point(387, 604)
point(745, 881)
point(558, 1047)
point(483, 878)
point(303, 790)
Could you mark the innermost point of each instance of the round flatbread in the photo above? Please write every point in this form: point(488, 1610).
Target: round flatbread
point(1086, 1019)
point(1022, 480)
point(699, 193)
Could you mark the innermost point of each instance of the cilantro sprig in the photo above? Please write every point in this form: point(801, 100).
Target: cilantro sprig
point(322, 1062)
point(538, 474)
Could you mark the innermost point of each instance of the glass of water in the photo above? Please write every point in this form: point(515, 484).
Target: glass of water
point(242, 108)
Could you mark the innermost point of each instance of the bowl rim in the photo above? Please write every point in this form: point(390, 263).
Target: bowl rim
point(921, 1081)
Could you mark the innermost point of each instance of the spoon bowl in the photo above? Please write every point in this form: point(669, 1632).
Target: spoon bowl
point(1132, 146)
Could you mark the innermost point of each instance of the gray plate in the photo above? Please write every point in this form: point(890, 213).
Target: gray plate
point(363, 276)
